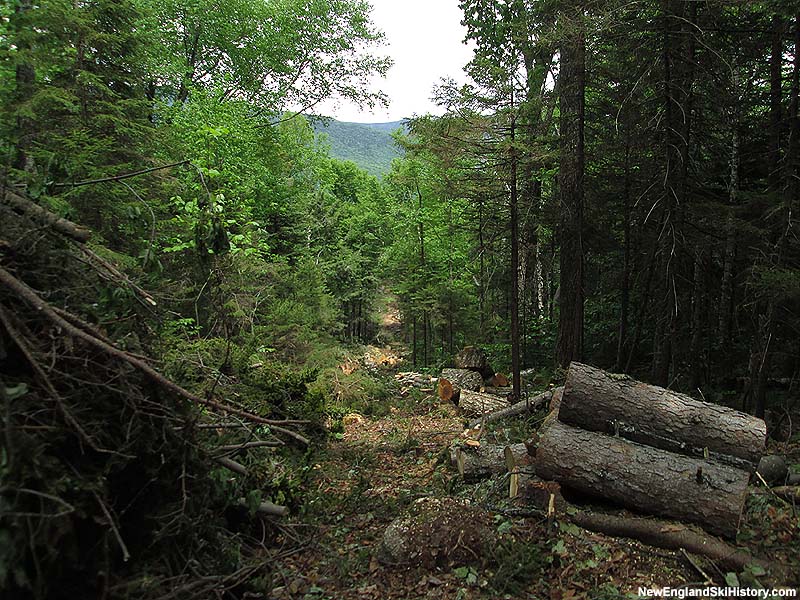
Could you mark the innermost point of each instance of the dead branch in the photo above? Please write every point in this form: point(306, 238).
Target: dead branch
point(268, 508)
point(671, 536)
point(790, 493)
point(248, 445)
point(232, 465)
point(120, 177)
point(44, 308)
point(6, 320)
point(27, 207)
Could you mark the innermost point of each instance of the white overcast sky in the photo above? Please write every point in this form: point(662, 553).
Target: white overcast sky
point(425, 39)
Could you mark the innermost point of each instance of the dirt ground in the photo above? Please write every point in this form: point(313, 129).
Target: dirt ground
point(383, 465)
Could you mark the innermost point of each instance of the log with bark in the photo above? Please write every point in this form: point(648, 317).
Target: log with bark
point(452, 381)
point(473, 359)
point(476, 404)
point(643, 478)
point(529, 405)
point(478, 462)
point(598, 401)
point(503, 392)
point(415, 380)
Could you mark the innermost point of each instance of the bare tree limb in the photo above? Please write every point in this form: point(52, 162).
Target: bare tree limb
point(25, 206)
point(121, 177)
point(29, 296)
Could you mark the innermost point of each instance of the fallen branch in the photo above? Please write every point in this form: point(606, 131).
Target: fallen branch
point(248, 445)
point(268, 508)
point(790, 493)
point(522, 407)
point(232, 465)
point(29, 296)
point(653, 532)
point(25, 206)
point(671, 536)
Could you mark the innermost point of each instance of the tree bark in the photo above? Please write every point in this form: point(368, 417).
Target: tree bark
point(452, 381)
point(569, 342)
point(474, 463)
point(473, 359)
point(644, 478)
point(598, 401)
point(529, 405)
point(475, 404)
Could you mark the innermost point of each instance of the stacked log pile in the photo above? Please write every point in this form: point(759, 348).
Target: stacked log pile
point(651, 449)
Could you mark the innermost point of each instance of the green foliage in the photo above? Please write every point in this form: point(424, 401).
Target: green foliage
point(358, 392)
point(368, 145)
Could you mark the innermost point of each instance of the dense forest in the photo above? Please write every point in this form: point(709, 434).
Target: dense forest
point(198, 302)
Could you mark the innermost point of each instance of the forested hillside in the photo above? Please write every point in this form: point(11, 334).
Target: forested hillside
point(369, 145)
point(223, 325)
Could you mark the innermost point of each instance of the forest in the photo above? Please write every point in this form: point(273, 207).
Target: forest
point(234, 366)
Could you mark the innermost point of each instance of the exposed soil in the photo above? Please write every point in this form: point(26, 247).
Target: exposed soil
point(382, 465)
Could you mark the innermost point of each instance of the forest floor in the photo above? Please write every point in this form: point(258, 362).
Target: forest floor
point(382, 465)
point(386, 461)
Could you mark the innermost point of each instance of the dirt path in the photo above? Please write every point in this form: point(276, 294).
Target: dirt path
point(365, 481)
point(382, 465)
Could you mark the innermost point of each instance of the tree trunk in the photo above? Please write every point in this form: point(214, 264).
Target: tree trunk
point(569, 343)
point(640, 477)
point(599, 401)
point(695, 344)
point(775, 96)
point(514, 232)
point(25, 80)
point(622, 331)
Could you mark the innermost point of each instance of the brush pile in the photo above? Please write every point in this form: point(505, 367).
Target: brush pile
point(109, 487)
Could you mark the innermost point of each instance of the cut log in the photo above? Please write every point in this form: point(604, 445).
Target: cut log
point(475, 463)
point(475, 404)
point(473, 359)
point(773, 469)
point(498, 380)
point(599, 401)
point(452, 381)
point(446, 391)
point(503, 392)
point(643, 478)
point(463, 378)
point(528, 405)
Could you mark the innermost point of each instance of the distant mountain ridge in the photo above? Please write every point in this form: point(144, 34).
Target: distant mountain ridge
point(369, 145)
